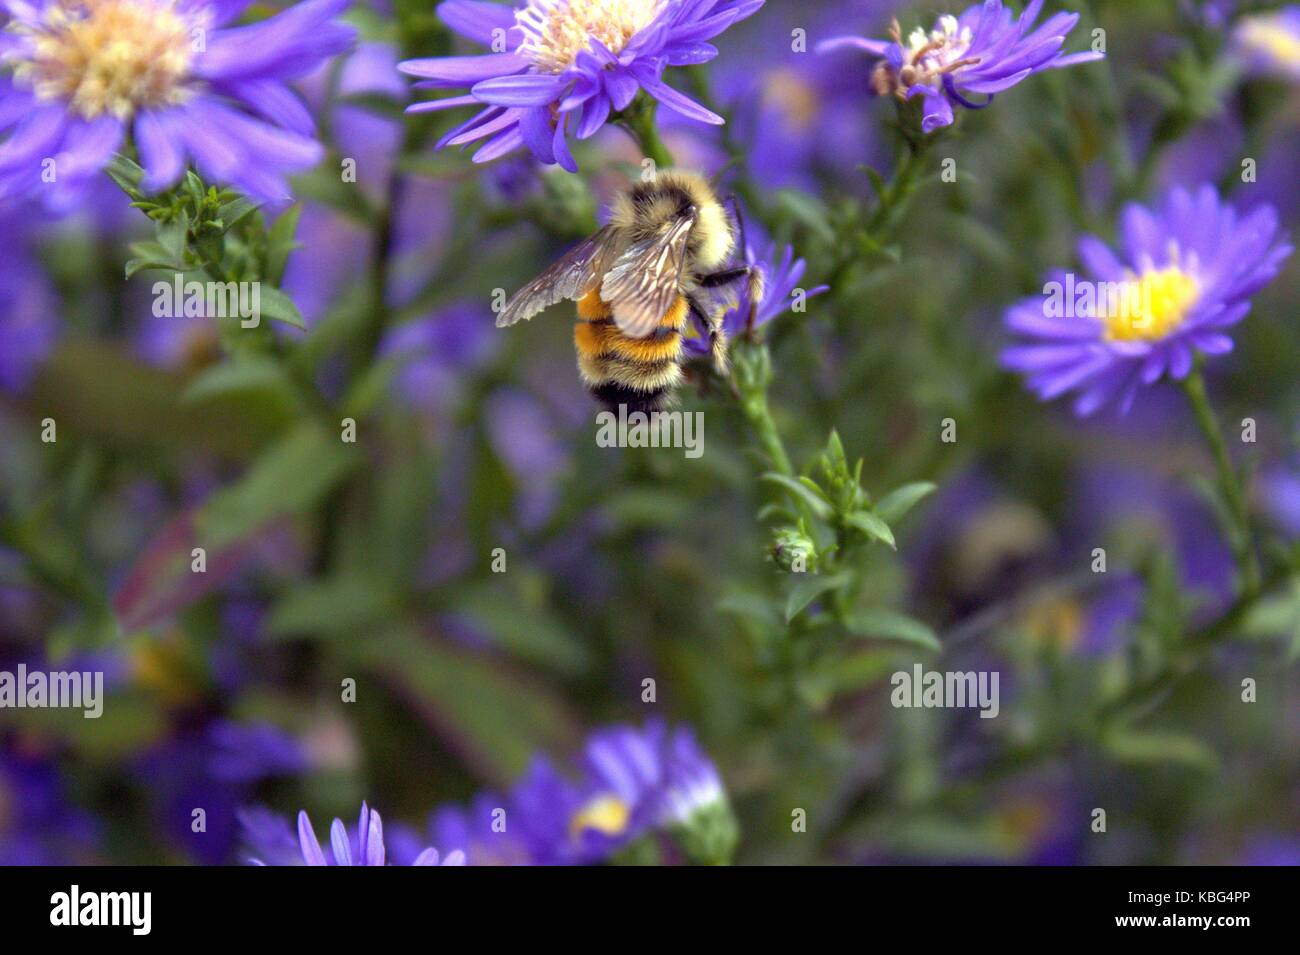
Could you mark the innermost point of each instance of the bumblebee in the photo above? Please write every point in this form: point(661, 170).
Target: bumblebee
point(637, 282)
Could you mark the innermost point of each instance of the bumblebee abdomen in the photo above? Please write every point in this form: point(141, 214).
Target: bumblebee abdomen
point(638, 372)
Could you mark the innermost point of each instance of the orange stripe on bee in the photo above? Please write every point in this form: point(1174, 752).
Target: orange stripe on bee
point(601, 339)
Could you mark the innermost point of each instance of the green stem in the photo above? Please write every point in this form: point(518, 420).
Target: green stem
point(759, 415)
point(899, 191)
point(639, 120)
point(1229, 482)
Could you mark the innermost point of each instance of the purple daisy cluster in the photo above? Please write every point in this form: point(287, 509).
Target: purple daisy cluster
point(628, 784)
point(983, 51)
point(172, 75)
point(1183, 277)
point(361, 846)
point(563, 67)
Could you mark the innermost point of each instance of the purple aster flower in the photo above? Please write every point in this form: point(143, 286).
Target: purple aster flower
point(641, 779)
point(982, 52)
point(171, 73)
point(779, 109)
point(561, 67)
point(1269, 43)
point(363, 846)
point(1184, 276)
point(781, 273)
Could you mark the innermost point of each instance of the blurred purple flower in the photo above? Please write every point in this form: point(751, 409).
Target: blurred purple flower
point(245, 753)
point(359, 133)
point(320, 275)
point(29, 317)
point(524, 435)
point(214, 769)
point(1280, 489)
point(1214, 14)
point(483, 832)
point(563, 66)
point(38, 826)
point(1188, 272)
point(174, 75)
point(435, 352)
point(362, 847)
point(632, 781)
point(982, 52)
point(778, 110)
point(1268, 44)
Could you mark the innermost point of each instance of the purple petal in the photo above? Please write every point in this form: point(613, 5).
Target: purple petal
point(311, 853)
point(464, 70)
point(339, 842)
point(160, 151)
point(680, 103)
point(522, 89)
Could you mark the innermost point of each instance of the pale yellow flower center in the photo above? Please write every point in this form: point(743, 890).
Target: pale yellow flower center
point(607, 815)
point(556, 31)
point(927, 57)
point(1269, 36)
point(1160, 302)
point(110, 56)
point(793, 96)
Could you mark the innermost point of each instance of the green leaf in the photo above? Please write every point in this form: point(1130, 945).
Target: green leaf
point(809, 211)
point(882, 624)
point(894, 505)
point(749, 605)
point(496, 719)
point(279, 307)
point(815, 500)
point(126, 173)
point(371, 388)
point(253, 373)
point(808, 589)
point(1148, 747)
point(340, 605)
point(872, 526)
point(233, 212)
point(280, 243)
point(289, 477)
point(152, 255)
point(522, 624)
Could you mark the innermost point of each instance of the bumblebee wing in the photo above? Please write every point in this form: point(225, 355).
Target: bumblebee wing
point(645, 279)
point(570, 277)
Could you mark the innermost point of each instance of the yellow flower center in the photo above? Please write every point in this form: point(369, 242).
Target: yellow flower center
point(110, 56)
point(787, 91)
point(556, 31)
point(1268, 35)
point(607, 815)
point(1156, 305)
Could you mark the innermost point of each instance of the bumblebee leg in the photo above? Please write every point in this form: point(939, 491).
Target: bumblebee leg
point(710, 321)
point(725, 276)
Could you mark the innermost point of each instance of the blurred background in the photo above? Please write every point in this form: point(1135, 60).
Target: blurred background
point(373, 561)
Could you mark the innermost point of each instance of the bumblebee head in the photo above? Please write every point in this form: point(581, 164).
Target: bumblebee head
point(671, 194)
